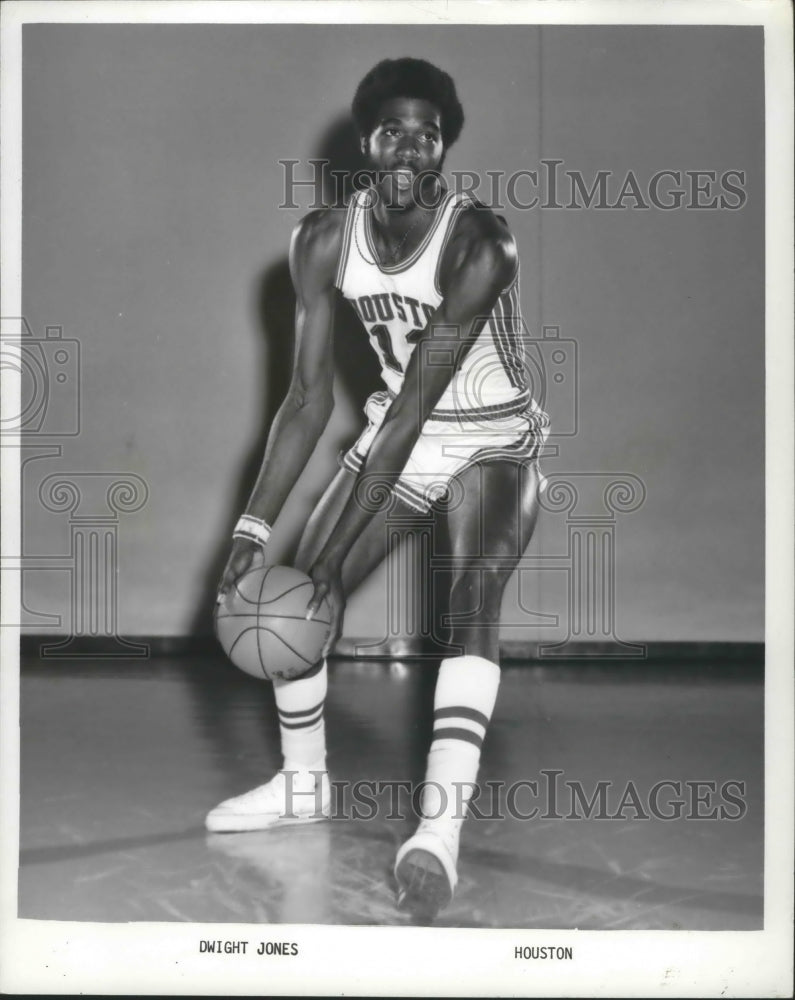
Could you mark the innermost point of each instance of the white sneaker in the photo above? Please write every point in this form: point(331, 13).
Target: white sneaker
point(291, 797)
point(425, 867)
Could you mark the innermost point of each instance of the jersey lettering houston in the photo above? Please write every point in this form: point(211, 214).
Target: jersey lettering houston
point(395, 303)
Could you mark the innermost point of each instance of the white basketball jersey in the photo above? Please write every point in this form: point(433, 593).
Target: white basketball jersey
point(395, 303)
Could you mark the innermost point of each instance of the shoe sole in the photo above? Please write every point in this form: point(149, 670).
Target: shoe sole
point(250, 824)
point(424, 888)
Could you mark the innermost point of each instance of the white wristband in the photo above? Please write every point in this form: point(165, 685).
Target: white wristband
point(253, 529)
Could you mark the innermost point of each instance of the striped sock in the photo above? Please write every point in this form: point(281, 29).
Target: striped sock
point(466, 690)
point(303, 731)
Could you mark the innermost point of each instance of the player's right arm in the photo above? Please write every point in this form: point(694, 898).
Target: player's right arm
point(302, 417)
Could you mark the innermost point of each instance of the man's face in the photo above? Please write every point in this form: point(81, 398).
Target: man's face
point(406, 142)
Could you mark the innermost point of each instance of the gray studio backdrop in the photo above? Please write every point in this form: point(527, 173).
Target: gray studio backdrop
point(153, 237)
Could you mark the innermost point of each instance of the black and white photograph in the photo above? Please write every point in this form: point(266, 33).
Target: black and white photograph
point(397, 498)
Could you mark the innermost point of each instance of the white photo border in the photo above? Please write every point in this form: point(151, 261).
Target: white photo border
point(71, 957)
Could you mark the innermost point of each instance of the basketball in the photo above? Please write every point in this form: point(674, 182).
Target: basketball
point(262, 623)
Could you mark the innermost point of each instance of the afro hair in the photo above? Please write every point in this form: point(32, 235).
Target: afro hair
point(408, 78)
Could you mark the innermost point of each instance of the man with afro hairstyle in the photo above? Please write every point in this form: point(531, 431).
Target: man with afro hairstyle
point(454, 434)
point(408, 78)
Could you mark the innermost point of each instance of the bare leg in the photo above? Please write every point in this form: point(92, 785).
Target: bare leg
point(486, 535)
point(370, 549)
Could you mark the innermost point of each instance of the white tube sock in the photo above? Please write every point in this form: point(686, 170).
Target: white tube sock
point(466, 690)
point(301, 725)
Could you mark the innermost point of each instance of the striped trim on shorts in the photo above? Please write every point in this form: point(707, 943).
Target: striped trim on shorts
point(449, 447)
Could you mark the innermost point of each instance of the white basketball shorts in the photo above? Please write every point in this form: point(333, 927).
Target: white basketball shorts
point(446, 448)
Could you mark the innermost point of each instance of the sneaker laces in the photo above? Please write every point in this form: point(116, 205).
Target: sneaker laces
point(446, 830)
point(274, 792)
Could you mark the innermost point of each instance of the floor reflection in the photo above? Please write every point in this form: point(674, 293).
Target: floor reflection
point(120, 763)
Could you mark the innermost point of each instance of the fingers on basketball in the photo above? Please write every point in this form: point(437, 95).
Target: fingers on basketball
point(262, 623)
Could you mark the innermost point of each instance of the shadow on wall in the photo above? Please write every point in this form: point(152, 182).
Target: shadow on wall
point(275, 298)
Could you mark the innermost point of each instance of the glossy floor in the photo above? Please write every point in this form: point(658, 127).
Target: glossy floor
point(120, 762)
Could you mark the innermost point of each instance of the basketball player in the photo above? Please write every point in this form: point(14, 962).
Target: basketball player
point(433, 277)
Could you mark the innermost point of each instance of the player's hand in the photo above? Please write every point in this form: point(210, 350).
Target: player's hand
point(245, 555)
point(327, 578)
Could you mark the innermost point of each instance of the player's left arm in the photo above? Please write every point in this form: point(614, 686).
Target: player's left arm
point(480, 261)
